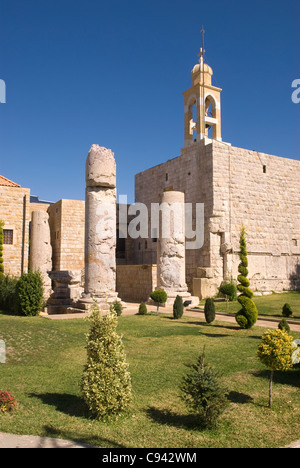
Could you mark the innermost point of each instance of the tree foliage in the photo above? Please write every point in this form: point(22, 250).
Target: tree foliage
point(106, 381)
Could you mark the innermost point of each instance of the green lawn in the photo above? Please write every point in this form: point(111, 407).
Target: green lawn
point(45, 359)
point(270, 305)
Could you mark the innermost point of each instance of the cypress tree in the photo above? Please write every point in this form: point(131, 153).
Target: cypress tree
point(178, 308)
point(209, 310)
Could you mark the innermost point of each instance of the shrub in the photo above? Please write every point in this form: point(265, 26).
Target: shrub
point(275, 352)
point(178, 308)
point(229, 290)
point(7, 401)
point(159, 296)
point(203, 392)
point(105, 382)
point(142, 309)
point(283, 325)
point(118, 308)
point(287, 310)
point(8, 293)
point(1, 250)
point(247, 316)
point(29, 294)
point(209, 310)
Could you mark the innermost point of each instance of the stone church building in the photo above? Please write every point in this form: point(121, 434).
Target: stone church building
point(236, 187)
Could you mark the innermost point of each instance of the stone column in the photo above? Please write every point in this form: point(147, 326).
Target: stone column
point(100, 227)
point(171, 248)
point(40, 257)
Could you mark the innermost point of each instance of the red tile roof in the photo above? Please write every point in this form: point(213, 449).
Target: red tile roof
point(7, 182)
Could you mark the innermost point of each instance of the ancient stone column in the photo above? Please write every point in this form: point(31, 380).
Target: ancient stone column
point(171, 248)
point(100, 227)
point(40, 257)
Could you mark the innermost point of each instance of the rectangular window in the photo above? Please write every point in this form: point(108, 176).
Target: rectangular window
point(8, 236)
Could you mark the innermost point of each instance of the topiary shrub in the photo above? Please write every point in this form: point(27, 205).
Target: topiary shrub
point(105, 383)
point(247, 316)
point(142, 309)
point(159, 296)
point(283, 325)
point(203, 392)
point(209, 310)
point(118, 308)
point(229, 290)
point(287, 310)
point(178, 308)
point(29, 294)
point(1, 250)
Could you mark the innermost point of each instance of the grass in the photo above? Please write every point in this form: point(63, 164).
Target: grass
point(45, 360)
point(268, 306)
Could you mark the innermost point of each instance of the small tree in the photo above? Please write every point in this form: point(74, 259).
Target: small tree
point(287, 310)
point(159, 296)
point(229, 291)
point(29, 294)
point(105, 382)
point(1, 250)
point(209, 310)
point(178, 308)
point(203, 392)
point(283, 325)
point(275, 352)
point(142, 309)
point(247, 316)
point(118, 308)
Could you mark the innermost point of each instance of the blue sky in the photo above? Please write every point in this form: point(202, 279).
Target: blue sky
point(112, 72)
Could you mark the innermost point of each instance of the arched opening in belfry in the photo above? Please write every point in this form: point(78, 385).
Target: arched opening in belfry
point(194, 128)
point(210, 113)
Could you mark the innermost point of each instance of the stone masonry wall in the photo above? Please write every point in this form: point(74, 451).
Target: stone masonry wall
point(135, 283)
point(15, 212)
point(260, 191)
point(66, 219)
point(190, 173)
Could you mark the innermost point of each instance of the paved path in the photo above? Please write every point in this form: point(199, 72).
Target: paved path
point(15, 441)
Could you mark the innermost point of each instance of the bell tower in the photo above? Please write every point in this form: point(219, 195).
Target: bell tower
point(202, 105)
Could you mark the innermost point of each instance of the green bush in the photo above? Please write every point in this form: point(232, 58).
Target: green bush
point(29, 294)
point(229, 290)
point(287, 310)
point(247, 315)
point(142, 309)
point(118, 308)
point(159, 296)
point(1, 250)
point(283, 325)
point(209, 310)
point(105, 383)
point(203, 392)
point(8, 293)
point(178, 308)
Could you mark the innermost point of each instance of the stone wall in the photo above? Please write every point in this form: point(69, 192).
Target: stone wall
point(236, 186)
point(135, 282)
point(15, 212)
point(260, 191)
point(66, 219)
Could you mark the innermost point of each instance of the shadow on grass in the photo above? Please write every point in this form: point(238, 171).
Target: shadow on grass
point(66, 403)
point(166, 417)
point(238, 397)
point(85, 441)
point(290, 377)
